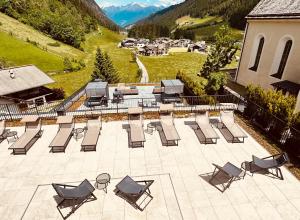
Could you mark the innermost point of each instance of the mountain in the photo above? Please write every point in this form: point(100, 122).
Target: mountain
point(232, 10)
point(64, 20)
point(131, 13)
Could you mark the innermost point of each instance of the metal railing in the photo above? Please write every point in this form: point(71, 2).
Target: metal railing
point(80, 107)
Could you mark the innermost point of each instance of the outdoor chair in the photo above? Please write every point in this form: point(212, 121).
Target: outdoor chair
point(93, 130)
point(169, 129)
point(136, 134)
point(231, 172)
point(167, 124)
point(210, 135)
point(269, 164)
point(33, 131)
point(227, 119)
point(132, 191)
point(2, 130)
point(74, 196)
point(64, 134)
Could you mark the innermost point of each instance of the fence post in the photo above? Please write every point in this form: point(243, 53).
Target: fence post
point(8, 112)
point(36, 109)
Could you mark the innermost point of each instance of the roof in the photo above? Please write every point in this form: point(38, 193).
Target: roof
point(276, 9)
point(286, 85)
point(96, 85)
point(26, 77)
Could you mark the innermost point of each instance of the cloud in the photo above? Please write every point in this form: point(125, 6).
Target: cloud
point(105, 3)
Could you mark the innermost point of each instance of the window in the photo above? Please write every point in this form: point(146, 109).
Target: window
point(258, 54)
point(284, 58)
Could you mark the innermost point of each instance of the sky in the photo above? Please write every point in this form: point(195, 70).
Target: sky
point(104, 3)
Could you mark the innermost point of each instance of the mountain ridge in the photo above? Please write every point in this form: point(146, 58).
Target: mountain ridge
point(128, 14)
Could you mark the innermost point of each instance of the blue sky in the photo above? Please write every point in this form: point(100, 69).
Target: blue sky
point(104, 3)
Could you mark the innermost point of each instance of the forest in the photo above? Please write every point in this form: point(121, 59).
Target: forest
point(67, 21)
point(234, 11)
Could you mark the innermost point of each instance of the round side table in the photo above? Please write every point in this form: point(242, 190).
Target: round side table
point(10, 134)
point(102, 181)
point(78, 131)
point(150, 128)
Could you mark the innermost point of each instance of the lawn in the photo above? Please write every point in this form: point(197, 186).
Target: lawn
point(166, 67)
point(205, 33)
point(24, 32)
point(17, 52)
point(108, 41)
point(188, 22)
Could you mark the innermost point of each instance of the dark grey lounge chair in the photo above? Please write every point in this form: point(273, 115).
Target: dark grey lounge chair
point(231, 172)
point(2, 130)
point(76, 195)
point(269, 163)
point(132, 191)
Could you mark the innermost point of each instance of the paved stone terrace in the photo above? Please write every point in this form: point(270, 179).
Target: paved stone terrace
point(180, 190)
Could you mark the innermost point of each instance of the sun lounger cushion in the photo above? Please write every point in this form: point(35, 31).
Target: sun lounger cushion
point(25, 139)
point(205, 126)
point(169, 128)
point(61, 137)
point(136, 131)
point(92, 133)
point(2, 127)
point(234, 129)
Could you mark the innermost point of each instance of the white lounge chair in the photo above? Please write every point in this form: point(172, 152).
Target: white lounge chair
point(33, 131)
point(64, 134)
point(210, 135)
point(93, 130)
point(227, 119)
point(136, 131)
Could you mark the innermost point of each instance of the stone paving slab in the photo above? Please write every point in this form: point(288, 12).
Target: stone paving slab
point(181, 190)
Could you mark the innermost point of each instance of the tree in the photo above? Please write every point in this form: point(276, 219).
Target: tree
point(104, 68)
point(99, 70)
point(215, 82)
point(67, 65)
point(113, 76)
point(221, 53)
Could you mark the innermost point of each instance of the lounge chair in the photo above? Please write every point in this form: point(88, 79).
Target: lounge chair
point(64, 134)
point(93, 130)
point(231, 172)
point(167, 124)
point(2, 130)
point(136, 134)
point(33, 131)
point(210, 135)
point(227, 119)
point(268, 164)
point(132, 191)
point(76, 195)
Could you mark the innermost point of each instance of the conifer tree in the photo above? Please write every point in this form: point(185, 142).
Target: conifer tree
point(99, 70)
point(112, 75)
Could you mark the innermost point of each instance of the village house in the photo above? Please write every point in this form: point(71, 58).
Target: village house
point(270, 55)
point(25, 83)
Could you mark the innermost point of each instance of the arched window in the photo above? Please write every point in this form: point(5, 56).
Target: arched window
point(258, 54)
point(284, 59)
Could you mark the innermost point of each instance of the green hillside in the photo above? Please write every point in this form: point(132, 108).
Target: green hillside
point(17, 52)
point(66, 21)
point(199, 13)
point(108, 41)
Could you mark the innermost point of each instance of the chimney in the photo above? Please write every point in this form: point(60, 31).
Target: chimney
point(12, 74)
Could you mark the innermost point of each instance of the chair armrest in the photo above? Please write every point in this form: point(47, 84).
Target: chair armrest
point(64, 185)
point(272, 156)
point(217, 166)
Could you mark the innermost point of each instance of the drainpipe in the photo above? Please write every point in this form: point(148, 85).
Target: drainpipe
point(244, 40)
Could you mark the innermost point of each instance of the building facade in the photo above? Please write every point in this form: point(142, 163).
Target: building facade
point(271, 51)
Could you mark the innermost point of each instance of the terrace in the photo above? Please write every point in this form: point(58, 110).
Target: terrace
point(180, 173)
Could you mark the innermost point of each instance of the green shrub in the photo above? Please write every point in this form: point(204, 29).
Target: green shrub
point(55, 44)
point(274, 102)
point(195, 84)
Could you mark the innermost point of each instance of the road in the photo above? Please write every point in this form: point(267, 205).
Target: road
point(145, 76)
